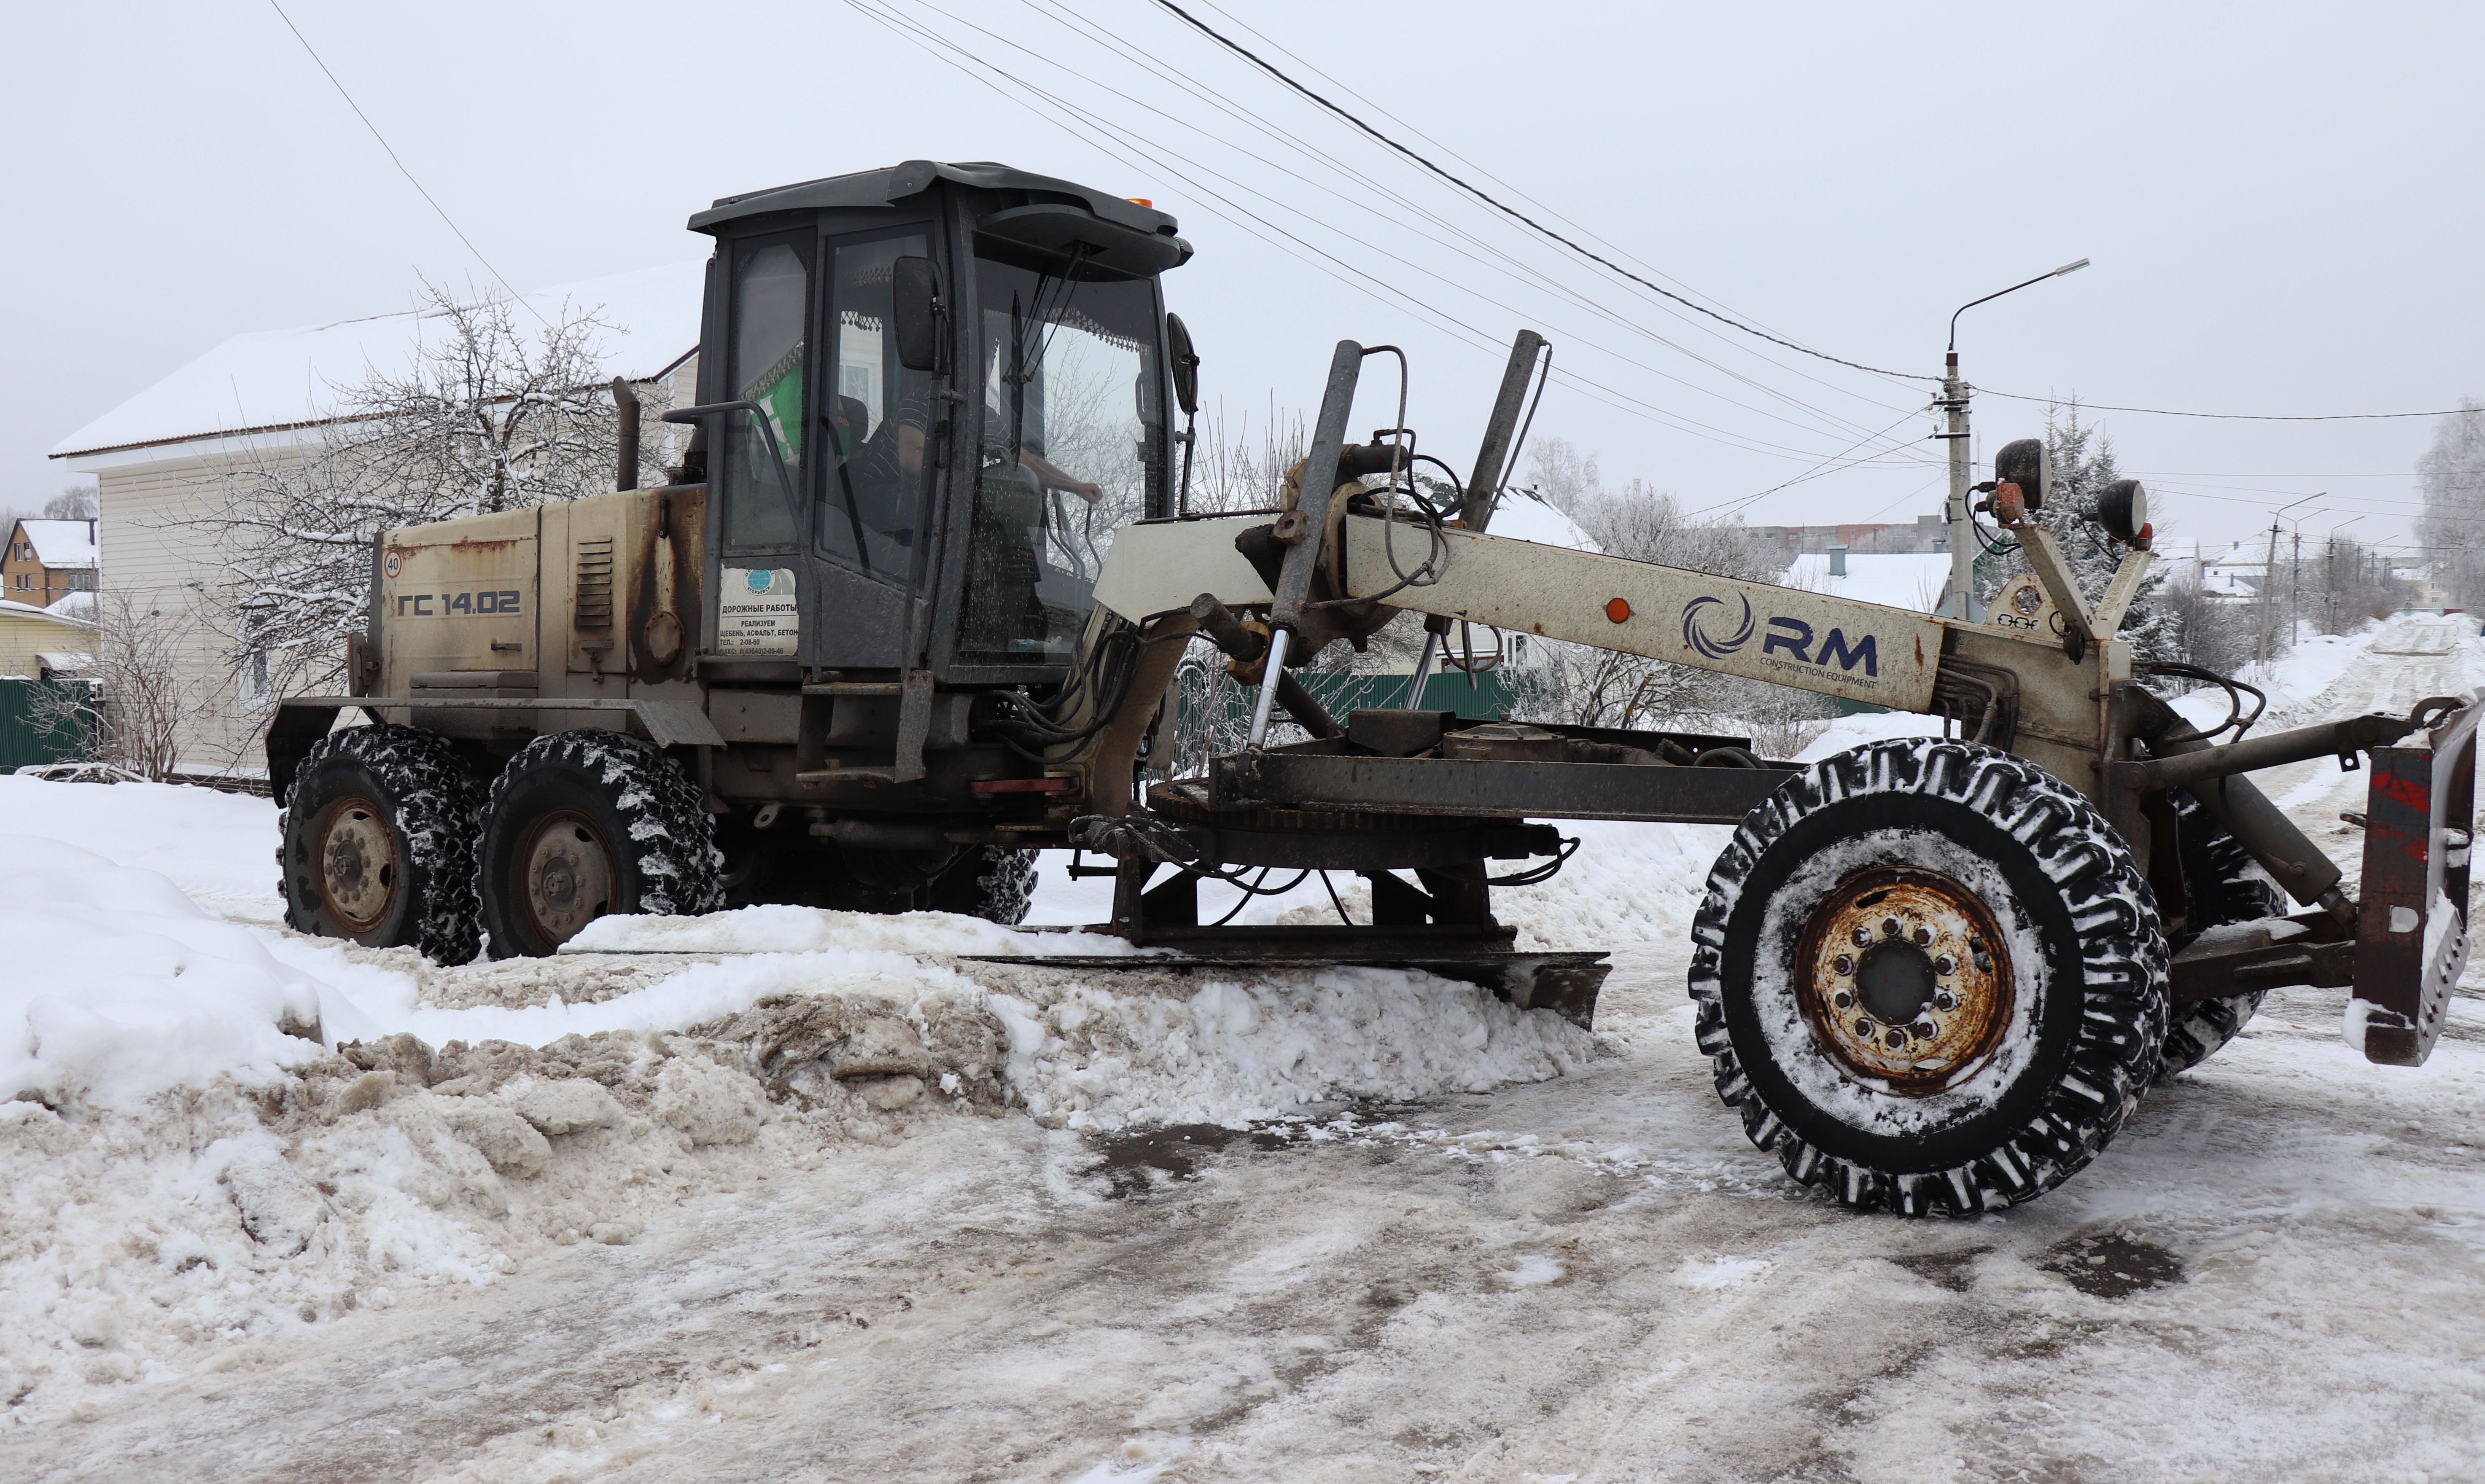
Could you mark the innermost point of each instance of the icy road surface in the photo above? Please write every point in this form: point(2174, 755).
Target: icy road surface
point(1584, 1272)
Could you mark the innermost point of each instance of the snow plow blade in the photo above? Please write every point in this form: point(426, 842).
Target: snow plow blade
point(2412, 925)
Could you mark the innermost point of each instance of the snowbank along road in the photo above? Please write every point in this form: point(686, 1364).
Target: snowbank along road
point(790, 1195)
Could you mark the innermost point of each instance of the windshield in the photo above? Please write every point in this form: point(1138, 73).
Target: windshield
point(1073, 449)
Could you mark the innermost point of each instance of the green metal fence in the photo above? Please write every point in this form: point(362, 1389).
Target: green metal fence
point(1212, 711)
point(29, 729)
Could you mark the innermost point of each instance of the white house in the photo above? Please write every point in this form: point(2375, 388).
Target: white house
point(263, 393)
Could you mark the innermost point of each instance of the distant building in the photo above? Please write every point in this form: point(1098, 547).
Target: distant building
point(1914, 581)
point(270, 394)
point(1927, 533)
point(37, 645)
point(47, 560)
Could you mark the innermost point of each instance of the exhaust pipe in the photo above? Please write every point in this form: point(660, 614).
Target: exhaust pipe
point(625, 472)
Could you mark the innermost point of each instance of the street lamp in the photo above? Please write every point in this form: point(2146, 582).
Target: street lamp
point(1961, 600)
point(2269, 576)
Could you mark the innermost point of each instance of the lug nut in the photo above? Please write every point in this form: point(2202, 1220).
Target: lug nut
point(1863, 937)
point(1843, 964)
point(1863, 1029)
point(1843, 1001)
point(1924, 937)
point(1889, 926)
point(1924, 1029)
point(1897, 1037)
point(1943, 1002)
point(1944, 966)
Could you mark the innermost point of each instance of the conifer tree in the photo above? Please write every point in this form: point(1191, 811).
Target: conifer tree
point(2084, 465)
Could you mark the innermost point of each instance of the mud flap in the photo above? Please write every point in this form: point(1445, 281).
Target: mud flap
point(2412, 927)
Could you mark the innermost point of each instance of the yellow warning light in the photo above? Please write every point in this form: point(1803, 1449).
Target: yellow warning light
point(1138, 200)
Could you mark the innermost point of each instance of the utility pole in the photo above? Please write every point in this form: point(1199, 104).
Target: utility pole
point(1960, 604)
point(2295, 589)
point(2268, 589)
point(1960, 601)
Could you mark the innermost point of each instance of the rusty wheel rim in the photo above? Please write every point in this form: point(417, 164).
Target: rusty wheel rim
point(565, 876)
point(356, 856)
point(1902, 976)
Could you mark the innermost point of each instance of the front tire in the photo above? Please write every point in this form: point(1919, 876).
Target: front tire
point(583, 824)
point(379, 842)
point(1930, 977)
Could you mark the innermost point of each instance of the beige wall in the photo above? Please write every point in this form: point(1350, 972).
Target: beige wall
point(24, 636)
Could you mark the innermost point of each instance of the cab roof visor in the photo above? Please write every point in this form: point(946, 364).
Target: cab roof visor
point(1066, 231)
point(896, 182)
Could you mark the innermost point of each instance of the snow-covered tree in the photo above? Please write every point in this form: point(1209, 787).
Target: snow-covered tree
point(493, 413)
point(2084, 465)
point(2453, 524)
point(75, 502)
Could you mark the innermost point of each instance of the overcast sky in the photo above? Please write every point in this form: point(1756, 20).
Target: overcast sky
point(2280, 200)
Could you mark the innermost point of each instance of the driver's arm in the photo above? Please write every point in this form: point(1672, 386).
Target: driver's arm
point(1054, 478)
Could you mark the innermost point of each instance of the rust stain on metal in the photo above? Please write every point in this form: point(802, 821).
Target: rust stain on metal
point(1905, 979)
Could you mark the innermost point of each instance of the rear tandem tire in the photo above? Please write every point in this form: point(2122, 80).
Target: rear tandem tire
point(990, 881)
point(2226, 887)
point(585, 824)
point(379, 842)
point(1930, 978)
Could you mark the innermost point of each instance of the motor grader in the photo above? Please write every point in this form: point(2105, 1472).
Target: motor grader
point(909, 608)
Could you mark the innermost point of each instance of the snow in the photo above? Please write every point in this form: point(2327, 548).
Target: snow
point(1525, 517)
point(62, 543)
point(1913, 580)
point(77, 607)
point(121, 987)
point(787, 1194)
point(282, 378)
point(794, 929)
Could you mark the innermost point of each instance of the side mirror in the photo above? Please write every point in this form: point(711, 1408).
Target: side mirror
point(2027, 463)
point(915, 313)
point(1184, 363)
point(2122, 509)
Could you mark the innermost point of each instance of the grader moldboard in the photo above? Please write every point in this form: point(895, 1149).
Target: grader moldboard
point(911, 605)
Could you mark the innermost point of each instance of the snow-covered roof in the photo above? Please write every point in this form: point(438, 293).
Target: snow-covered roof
point(1914, 581)
point(290, 378)
point(1523, 517)
point(79, 605)
point(63, 544)
point(10, 607)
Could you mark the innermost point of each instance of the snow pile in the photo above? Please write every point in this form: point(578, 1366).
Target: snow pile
point(219, 848)
point(120, 987)
point(798, 929)
point(1093, 1054)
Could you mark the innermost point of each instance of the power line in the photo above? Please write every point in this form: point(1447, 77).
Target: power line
point(1247, 55)
point(2161, 411)
point(400, 164)
point(1060, 109)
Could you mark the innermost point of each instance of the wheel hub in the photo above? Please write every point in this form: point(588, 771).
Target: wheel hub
point(565, 876)
point(357, 859)
point(1902, 978)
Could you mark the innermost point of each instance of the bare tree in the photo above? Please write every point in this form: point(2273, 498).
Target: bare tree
point(74, 502)
point(493, 413)
point(1600, 688)
point(129, 702)
point(2453, 524)
point(2202, 627)
point(1231, 469)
